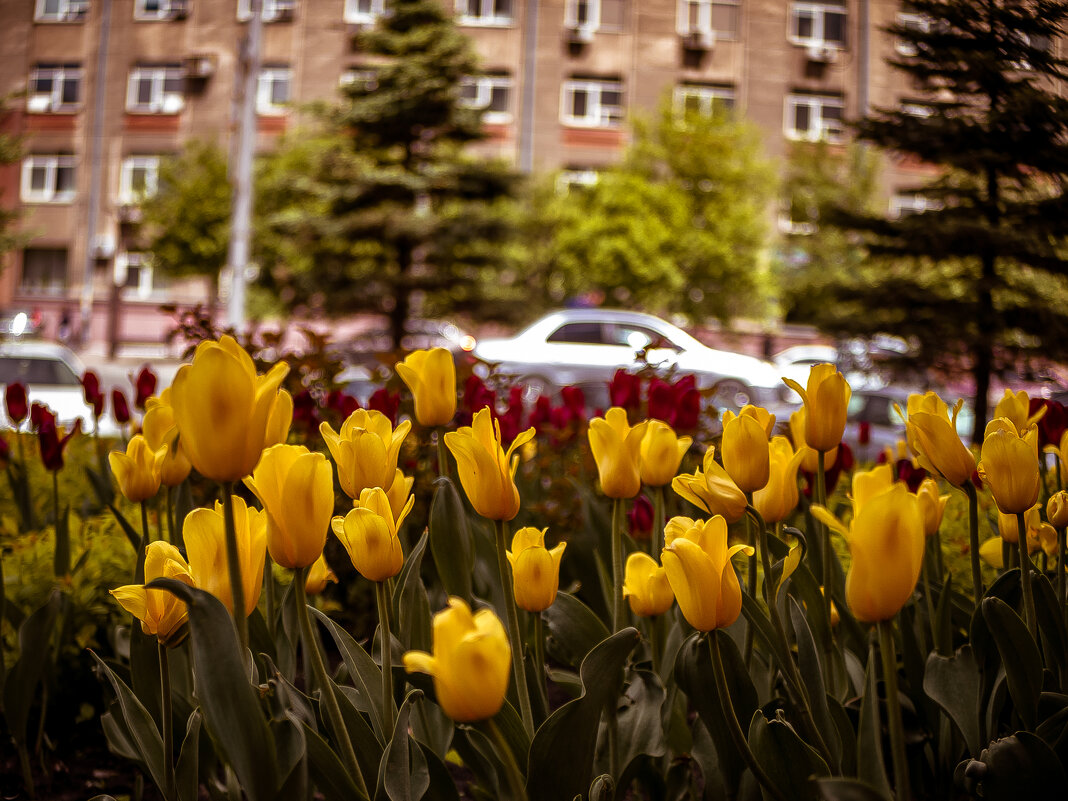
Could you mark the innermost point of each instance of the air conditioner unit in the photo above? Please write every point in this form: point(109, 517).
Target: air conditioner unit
point(821, 54)
point(39, 103)
point(177, 9)
point(103, 247)
point(129, 213)
point(200, 66)
point(699, 40)
point(580, 34)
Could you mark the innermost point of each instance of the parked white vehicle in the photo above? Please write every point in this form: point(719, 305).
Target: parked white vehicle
point(584, 347)
point(52, 375)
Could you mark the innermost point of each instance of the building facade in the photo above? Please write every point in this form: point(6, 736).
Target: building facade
point(109, 87)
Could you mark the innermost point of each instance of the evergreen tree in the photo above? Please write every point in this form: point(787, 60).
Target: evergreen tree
point(978, 280)
point(11, 152)
point(378, 209)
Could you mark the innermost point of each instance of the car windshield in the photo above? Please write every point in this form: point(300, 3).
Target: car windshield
point(36, 371)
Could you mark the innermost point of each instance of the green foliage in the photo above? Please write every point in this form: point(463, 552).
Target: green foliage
point(11, 150)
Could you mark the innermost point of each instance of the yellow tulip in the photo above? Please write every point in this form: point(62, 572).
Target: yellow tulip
point(280, 421)
point(1057, 509)
point(699, 570)
point(471, 662)
point(431, 377)
point(369, 534)
point(758, 413)
point(886, 541)
point(318, 576)
point(931, 432)
point(296, 488)
point(779, 497)
point(616, 448)
point(826, 401)
point(1061, 452)
point(745, 451)
point(160, 613)
point(932, 505)
point(486, 470)
point(205, 543)
point(866, 485)
point(992, 553)
point(809, 459)
point(399, 491)
point(222, 409)
point(160, 430)
point(138, 470)
point(365, 450)
point(661, 453)
point(1009, 466)
point(535, 569)
point(646, 586)
point(1016, 406)
point(712, 490)
point(835, 617)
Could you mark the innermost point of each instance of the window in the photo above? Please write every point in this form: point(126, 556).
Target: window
point(704, 100)
point(902, 204)
point(272, 10)
point(149, 10)
point(595, 15)
point(138, 178)
point(61, 10)
point(592, 103)
point(709, 16)
point(364, 12)
point(272, 92)
point(575, 178)
point(44, 271)
point(48, 179)
point(579, 334)
point(156, 90)
point(484, 12)
point(492, 94)
point(37, 372)
point(134, 271)
point(55, 87)
point(818, 24)
point(814, 117)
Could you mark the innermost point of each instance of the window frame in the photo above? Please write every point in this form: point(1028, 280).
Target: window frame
point(354, 16)
point(819, 11)
point(270, 11)
point(483, 19)
point(265, 105)
point(168, 10)
point(60, 74)
point(595, 87)
point(141, 261)
point(706, 94)
point(51, 163)
point(816, 104)
point(128, 196)
point(484, 86)
point(69, 11)
point(705, 16)
point(159, 74)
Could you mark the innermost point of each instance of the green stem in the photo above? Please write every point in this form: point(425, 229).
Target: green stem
point(751, 583)
point(139, 567)
point(939, 565)
point(29, 522)
point(821, 499)
point(269, 591)
point(654, 642)
point(539, 660)
point(1062, 547)
point(930, 604)
point(233, 565)
point(27, 771)
point(443, 459)
point(382, 599)
point(514, 640)
point(511, 769)
point(332, 712)
point(165, 721)
point(1025, 576)
point(973, 541)
point(618, 610)
point(733, 727)
point(656, 536)
point(893, 710)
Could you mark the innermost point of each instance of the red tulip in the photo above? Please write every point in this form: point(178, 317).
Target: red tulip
point(477, 396)
point(341, 402)
point(574, 401)
point(15, 398)
point(144, 387)
point(306, 411)
point(864, 432)
point(92, 394)
point(1053, 423)
point(662, 401)
point(48, 438)
point(120, 407)
point(542, 413)
point(382, 400)
point(625, 390)
point(640, 518)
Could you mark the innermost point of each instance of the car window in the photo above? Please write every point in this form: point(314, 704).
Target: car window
point(579, 333)
point(33, 371)
point(638, 337)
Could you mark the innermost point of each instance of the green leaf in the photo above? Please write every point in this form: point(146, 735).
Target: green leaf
point(764, 632)
point(561, 755)
point(411, 606)
point(788, 761)
point(144, 736)
point(232, 713)
point(144, 669)
point(288, 733)
point(603, 788)
point(1019, 655)
point(365, 743)
point(640, 728)
point(944, 618)
point(573, 629)
point(403, 774)
point(832, 789)
point(1050, 620)
point(450, 539)
point(61, 556)
point(326, 770)
point(808, 661)
point(1016, 767)
point(953, 684)
point(442, 787)
point(870, 765)
point(364, 673)
point(187, 769)
point(433, 728)
point(35, 651)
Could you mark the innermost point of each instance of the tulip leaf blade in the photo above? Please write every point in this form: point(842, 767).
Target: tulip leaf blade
point(326, 771)
point(871, 768)
point(365, 742)
point(560, 762)
point(187, 769)
point(788, 761)
point(364, 674)
point(837, 789)
point(808, 660)
point(403, 774)
point(232, 713)
point(641, 730)
point(35, 645)
point(574, 629)
point(411, 606)
point(1050, 620)
point(61, 554)
point(450, 539)
point(291, 755)
point(1019, 656)
point(441, 786)
point(1019, 766)
point(953, 683)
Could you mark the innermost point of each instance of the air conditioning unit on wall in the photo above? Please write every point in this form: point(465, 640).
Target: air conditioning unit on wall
point(580, 34)
point(699, 40)
point(821, 54)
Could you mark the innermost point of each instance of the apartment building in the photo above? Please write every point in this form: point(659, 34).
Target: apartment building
point(109, 87)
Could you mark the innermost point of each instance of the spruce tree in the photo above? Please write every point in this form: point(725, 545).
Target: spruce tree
point(380, 209)
point(978, 280)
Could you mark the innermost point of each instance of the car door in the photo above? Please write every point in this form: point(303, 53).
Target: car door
point(642, 346)
point(584, 351)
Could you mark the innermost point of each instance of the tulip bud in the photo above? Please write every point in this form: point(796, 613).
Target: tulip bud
point(1009, 466)
point(471, 662)
point(661, 454)
point(160, 612)
point(646, 586)
point(161, 432)
point(319, 574)
point(712, 490)
point(826, 401)
point(932, 505)
point(365, 450)
point(486, 470)
point(809, 459)
point(1057, 509)
point(779, 497)
point(138, 470)
point(745, 451)
point(369, 534)
point(431, 377)
point(535, 569)
point(616, 448)
point(204, 533)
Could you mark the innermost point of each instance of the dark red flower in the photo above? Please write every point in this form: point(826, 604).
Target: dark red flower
point(843, 463)
point(15, 398)
point(48, 439)
point(864, 432)
point(542, 413)
point(120, 407)
point(341, 402)
point(144, 386)
point(574, 401)
point(5, 452)
point(91, 392)
point(687, 404)
point(640, 518)
point(662, 401)
point(305, 410)
point(625, 390)
point(912, 476)
point(1053, 423)
point(477, 396)
point(512, 419)
point(382, 400)
point(39, 413)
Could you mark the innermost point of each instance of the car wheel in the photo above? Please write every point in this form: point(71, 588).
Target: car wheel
point(730, 393)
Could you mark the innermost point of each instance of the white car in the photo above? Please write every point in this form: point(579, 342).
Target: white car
point(52, 375)
point(584, 347)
